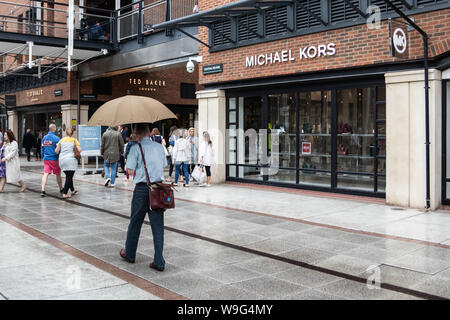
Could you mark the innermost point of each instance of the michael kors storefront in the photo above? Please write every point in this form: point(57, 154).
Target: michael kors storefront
point(322, 136)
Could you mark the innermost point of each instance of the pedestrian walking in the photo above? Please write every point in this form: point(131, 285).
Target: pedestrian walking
point(28, 143)
point(123, 133)
point(50, 157)
point(130, 143)
point(67, 161)
point(172, 138)
point(157, 137)
point(140, 203)
point(206, 156)
point(2, 168)
point(181, 157)
point(38, 145)
point(194, 150)
point(111, 149)
point(12, 161)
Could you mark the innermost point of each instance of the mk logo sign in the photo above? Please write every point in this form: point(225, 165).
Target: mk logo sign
point(399, 39)
point(398, 35)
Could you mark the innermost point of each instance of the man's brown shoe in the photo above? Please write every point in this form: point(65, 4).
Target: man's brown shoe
point(124, 256)
point(153, 266)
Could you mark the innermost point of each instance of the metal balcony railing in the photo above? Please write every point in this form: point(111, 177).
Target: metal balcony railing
point(138, 19)
point(49, 18)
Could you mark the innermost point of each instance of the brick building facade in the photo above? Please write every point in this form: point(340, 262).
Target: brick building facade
point(356, 46)
point(311, 95)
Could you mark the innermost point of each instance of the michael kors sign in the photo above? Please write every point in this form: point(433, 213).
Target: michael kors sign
point(398, 36)
point(289, 55)
point(147, 84)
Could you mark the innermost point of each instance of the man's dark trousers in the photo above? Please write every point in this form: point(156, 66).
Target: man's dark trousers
point(28, 152)
point(140, 205)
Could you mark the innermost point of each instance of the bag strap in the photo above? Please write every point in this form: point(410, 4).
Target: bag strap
point(146, 172)
point(145, 166)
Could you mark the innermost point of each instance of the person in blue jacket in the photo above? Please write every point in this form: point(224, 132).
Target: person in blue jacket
point(50, 157)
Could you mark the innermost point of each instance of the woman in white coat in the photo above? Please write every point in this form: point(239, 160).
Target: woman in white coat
point(11, 158)
point(206, 156)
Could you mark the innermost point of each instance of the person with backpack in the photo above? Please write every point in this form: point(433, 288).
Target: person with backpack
point(157, 137)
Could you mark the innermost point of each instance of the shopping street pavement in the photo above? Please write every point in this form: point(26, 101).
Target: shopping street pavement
point(224, 242)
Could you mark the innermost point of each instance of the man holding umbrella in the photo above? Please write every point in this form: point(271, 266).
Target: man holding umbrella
point(155, 159)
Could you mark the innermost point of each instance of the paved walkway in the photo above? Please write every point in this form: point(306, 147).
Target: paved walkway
point(223, 242)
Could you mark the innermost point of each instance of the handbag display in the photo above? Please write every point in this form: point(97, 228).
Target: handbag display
point(160, 194)
point(342, 149)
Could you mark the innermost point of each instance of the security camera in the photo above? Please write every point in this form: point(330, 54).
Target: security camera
point(190, 67)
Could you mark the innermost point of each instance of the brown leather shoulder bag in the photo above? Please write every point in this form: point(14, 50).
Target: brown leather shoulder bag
point(160, 194)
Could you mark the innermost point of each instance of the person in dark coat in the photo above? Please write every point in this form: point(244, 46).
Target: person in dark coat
point(39, 137)
point(28, 143)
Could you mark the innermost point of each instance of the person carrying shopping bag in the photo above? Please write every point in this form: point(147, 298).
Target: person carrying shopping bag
point(206, 156)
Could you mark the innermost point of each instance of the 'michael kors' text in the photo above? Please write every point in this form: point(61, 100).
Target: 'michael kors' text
point(284, 56)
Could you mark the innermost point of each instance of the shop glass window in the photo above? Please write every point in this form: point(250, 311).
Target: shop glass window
point(332, 139)
point(232, 135)
point(251, 136)
point(447, 162)
point(281, 138)
point(314, 140)
point(355, 133)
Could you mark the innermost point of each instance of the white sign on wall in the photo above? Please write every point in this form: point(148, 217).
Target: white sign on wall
point(289, 55)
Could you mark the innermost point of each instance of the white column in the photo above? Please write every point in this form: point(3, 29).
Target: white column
point(405, 141)
point(70, 112)
point(13, 122)
point(211, 118)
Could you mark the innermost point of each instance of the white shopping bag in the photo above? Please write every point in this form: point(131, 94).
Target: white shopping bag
point(199, 174)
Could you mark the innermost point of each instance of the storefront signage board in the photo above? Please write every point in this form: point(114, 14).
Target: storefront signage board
point(146, 84)
point(90, 140)
point(290, 55)
point(398, 38)
point(58, 93)
point(88, 96)
point(10, 100)
point(214, 68)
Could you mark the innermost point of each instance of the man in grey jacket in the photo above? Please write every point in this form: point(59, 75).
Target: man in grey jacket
point(111, 149)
